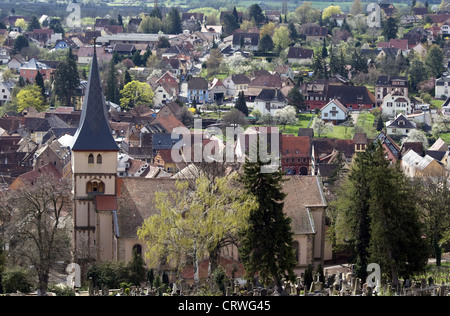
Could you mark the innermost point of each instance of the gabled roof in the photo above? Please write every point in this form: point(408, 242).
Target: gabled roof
point(338, 104)
point(401, 122)
point(94, 133)
point(295, 146)
point(387, 80)
point(302, 194)
point(439, 145)
point(415, 160)
point(271, 95)
point(300, 53)
point(316, 31)
point(389, 144)
point(198, 83)
point(252, 37)
point(269, 81)
point(347, 94)
point(240, 79)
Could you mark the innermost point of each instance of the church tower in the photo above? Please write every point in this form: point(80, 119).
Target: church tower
point(94, 169)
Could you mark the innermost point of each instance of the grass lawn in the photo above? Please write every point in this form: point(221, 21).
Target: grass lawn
point(445, 137)
point(437, 103)
point(303, 122)
point(364, 120)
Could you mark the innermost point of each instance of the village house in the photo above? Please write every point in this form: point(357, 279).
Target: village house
point(261, 81)
point(235, 84)
point(414, 165)
point(270, 100)
point(197, 89)
point(295, 154)
point(325, 150)
point(388, 84)
point(6, 88)
point(400, 126)
point(55, 153)
point(390, 147)
point(245, 41)
point(334, 112)
point(217, 91)
point(395, 103)
point(16, 62)
point(441, 86)
point(299, 55)
point(30, 69)
point(316, 33)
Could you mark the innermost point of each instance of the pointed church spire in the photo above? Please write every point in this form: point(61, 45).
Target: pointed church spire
point(93, 133)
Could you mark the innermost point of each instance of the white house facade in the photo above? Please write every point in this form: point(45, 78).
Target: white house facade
point(334, 111)
point(270, 100)
point(396, 103)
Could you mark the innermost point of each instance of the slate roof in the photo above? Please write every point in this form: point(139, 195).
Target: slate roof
point(93, 132)
point(302, 194)
point(387, 80)
point(253, 37)
point(198, 83)
point(401, 122)
point(271, 95)
point(350, 94)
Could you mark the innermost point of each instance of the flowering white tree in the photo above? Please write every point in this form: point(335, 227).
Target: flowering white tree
point(320, 127)
point(286, 116)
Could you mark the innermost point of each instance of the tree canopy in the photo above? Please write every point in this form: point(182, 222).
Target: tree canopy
point(196, 221)
point(136, 93)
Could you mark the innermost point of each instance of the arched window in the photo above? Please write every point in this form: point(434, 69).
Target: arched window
point(138, 249)
point(91, 158)
point(95, 186)
point(99, 158)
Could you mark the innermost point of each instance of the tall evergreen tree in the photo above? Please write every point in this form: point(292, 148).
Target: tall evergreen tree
point(34, 24)
point(173, 22)
point(266, 244)
point(67, 79)
point(377, 218)
point(39, 81)
point(241, 105)
point(127, 78)
point(324, 49)
point(389, 28)
point(112, 92)
point(255, 12)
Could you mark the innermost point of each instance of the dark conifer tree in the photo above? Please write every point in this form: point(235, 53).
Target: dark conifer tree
point(266, 245)
point(241, 105)
point(127, 78)
point(39, 81)
point(377, 217)
point(67, 79)
point(112, 92)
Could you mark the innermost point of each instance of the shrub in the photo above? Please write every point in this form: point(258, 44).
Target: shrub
point(17, 280)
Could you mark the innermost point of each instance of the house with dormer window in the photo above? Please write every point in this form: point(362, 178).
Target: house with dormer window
point(401, 126)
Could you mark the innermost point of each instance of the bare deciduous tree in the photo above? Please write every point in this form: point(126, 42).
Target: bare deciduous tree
point(37, 227)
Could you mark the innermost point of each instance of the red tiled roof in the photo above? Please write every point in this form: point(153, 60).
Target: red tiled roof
point(169, 122)
point(295, 146)
point(105, 202)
